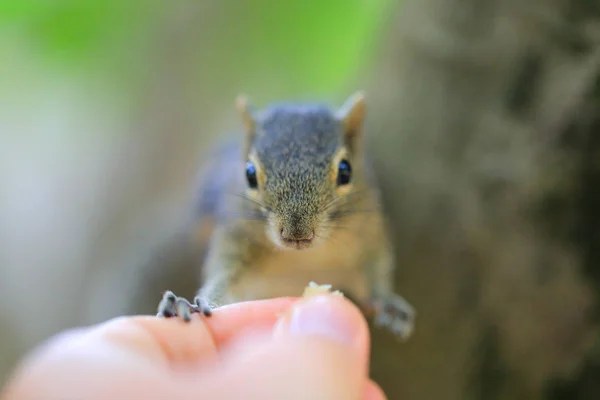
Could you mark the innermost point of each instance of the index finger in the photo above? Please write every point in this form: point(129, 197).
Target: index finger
point(173, 340)
point(227, 321)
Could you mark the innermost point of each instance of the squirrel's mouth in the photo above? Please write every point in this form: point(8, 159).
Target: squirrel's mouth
point(299, 244)
point(295, 242)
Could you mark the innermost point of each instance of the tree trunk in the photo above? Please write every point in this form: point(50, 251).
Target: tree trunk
point(484, 117)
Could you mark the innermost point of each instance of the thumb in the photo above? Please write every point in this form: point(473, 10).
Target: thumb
point(320, 350)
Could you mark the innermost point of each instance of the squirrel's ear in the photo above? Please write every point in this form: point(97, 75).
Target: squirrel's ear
point(248, 119)
point(352, 113)
point(246, 112)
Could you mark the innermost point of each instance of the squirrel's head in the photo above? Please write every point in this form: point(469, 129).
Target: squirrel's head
point(301, 164)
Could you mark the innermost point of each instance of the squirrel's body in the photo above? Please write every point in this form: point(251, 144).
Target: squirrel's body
point(295, 202)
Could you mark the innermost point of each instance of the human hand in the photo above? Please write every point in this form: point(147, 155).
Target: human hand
point(318, 349)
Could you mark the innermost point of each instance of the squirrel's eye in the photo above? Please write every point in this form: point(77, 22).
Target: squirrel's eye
point(251, 175)
point(344, 173)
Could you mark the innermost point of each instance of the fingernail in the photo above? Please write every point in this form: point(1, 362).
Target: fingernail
point(322, 316)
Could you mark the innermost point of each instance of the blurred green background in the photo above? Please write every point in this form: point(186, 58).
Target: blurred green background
point(302, 49)
point(481, 117)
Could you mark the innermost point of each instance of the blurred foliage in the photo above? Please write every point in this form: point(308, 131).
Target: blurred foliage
point(318, 43)
point(72, 29)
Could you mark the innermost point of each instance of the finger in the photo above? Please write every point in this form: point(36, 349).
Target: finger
point(79, 365)
point(173, 341)
point(373, 392)
point(319, 351)
point(341, 315)
point(228, 321)
point(254, 339)
point(169, 341)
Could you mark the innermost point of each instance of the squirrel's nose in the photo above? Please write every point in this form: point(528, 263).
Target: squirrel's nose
point(296, 237)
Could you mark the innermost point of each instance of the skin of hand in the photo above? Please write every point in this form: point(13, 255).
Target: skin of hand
point(286, 348)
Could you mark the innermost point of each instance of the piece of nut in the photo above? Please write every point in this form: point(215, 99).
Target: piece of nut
point(314, 289)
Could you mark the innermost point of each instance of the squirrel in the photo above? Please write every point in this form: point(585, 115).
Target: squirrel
point(295, 201)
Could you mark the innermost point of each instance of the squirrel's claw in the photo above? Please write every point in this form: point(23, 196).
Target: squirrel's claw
point(173, 306)
point(166, 307)
point(202, 306)
point(396, 314)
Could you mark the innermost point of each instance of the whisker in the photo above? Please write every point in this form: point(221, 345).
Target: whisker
point(335, 226)
point(257, 217)
point(348, 213)
point(346, 199)
point(249, 199)
point(325, 237)
point(336, 240)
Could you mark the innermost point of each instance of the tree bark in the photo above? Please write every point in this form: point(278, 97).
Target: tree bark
point(484, 119)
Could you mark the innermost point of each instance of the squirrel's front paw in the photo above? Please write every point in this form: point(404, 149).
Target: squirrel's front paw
point(396, 314)
point(174, 306)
